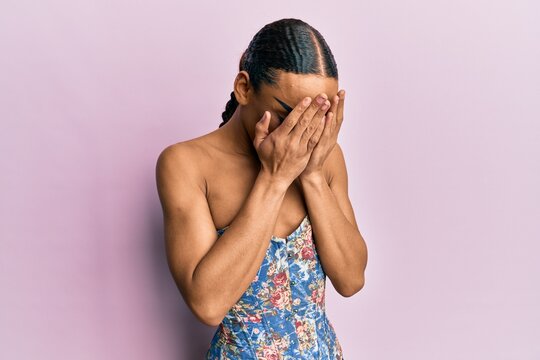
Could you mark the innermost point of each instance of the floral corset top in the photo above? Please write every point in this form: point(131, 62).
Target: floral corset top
point(282, 314)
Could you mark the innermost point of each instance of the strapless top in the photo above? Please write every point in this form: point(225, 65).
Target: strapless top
point(282, 313)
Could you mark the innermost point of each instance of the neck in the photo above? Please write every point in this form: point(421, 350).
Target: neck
point(238, 137)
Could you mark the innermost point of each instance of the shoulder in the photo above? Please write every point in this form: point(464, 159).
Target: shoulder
point(179, 162)
point(188, 152)
point(334, 166)
point(175, 154)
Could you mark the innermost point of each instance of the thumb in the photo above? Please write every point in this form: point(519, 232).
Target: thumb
point(261, 129)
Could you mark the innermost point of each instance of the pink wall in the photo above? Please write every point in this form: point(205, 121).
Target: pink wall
point(441, 138)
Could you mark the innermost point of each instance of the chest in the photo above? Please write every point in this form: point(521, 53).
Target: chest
point(228, 186)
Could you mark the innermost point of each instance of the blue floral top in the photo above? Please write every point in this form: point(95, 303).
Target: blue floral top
point(282, 314)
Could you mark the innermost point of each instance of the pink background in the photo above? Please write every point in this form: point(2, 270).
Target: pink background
point(441, 137)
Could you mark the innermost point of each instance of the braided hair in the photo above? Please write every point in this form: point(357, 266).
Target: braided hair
point(290, 45)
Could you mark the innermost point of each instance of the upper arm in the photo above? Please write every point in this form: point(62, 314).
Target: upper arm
point(188, 225)
point(339, 183)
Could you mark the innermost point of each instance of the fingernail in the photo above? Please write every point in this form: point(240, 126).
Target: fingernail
point(307, 101)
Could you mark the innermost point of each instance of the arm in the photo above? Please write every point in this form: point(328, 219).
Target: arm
point(212, 275)
point(340, 245)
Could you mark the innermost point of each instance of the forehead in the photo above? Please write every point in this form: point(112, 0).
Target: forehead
point(292, 88)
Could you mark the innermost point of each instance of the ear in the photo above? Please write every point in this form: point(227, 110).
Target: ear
point(242, 87)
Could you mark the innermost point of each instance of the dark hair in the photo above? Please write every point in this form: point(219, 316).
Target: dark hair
point(290, 45)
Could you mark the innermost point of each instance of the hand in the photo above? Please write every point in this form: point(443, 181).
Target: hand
point(285, 151)
point(333, 121)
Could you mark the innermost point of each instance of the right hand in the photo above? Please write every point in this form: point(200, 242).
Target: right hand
point(285, 152)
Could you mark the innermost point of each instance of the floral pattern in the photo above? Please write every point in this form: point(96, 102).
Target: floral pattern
point(281, 315)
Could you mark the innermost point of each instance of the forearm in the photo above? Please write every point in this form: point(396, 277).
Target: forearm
point(340, 245)
point(232, 263)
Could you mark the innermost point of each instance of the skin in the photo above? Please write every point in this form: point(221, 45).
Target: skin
point(220, 179)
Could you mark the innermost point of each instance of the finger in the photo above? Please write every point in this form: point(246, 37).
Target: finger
point(292, 118)
point(339, 114)
point(308, 116)
point(335, 103)
point(333, 110)
point(316, 137)
point(314, 123)
point(261, 129)
point(299, 117)
point(329, 126)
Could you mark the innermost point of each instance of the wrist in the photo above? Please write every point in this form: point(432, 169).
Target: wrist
point(272, 182)
point(312, 178)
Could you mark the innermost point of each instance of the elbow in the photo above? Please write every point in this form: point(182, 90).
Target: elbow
point(211, 321)
point(207, 319)
point(352, 289)
point(199, 302)
point(206, 313)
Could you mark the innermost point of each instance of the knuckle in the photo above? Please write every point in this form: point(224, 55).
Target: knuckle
point(315, 107)
point(288, 124)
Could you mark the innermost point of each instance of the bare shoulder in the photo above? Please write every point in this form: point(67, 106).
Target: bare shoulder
point(182, 159)
point(181, 149)
point(334, 164)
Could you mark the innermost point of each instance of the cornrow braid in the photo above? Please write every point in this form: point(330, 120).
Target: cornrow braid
point(289, 45)
point(229, 109)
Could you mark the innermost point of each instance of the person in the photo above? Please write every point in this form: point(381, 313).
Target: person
point(254, 209)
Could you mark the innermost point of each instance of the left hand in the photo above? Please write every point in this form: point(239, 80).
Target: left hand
point(328, 138)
